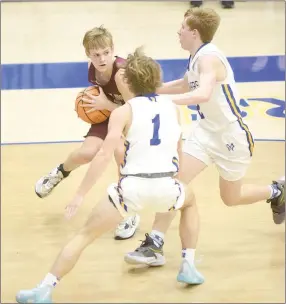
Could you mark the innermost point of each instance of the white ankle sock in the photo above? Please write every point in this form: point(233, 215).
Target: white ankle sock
point(50, 280)
point(157, 236)
point(158, 233)
point(189, 254)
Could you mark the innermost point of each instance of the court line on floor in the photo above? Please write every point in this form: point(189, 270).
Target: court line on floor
point(80, 141)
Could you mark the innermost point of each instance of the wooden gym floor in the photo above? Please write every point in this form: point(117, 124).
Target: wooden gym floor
point(240, 252)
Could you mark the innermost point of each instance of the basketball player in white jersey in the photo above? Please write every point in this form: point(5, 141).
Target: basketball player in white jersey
point(151, 125)
point(221, 137)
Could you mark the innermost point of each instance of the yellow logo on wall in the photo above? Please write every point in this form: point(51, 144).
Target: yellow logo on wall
point(264, 116)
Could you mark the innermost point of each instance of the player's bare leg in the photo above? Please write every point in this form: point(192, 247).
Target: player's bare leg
point(103, 218)
point(235, 193)
point(189, 231)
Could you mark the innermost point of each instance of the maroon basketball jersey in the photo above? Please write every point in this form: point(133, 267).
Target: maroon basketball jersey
point(110, 89)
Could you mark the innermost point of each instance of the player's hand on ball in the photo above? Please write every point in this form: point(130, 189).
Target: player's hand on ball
point(72, 207)
point(95, 102)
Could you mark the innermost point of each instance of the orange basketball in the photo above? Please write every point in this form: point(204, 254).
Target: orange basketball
point(94, 117)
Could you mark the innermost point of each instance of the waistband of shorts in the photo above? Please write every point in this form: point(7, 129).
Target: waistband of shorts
point(151, 175)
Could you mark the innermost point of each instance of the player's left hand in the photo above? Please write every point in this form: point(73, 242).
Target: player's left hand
point(99, 102)
point(72, 208)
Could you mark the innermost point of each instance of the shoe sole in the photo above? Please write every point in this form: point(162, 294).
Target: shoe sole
point(183, 279)
point(28, 300)
point(136, 261)
point(278, 219)
point(38, 194)
point(119, 238)
point(41, 196)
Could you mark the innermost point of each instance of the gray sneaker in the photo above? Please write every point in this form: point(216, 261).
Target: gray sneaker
point(147, 254)
point(278, 203)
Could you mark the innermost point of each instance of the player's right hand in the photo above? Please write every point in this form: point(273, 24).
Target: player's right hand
point(72, 208)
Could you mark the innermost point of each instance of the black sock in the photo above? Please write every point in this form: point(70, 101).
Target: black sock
point(65, 173)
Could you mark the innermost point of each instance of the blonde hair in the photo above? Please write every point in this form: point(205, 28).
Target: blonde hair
point(97, 38)
point(205, 20)
point(143, 73)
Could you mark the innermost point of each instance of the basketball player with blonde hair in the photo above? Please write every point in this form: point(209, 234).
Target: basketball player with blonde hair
point(103, 72)
point(221, 137)
point(151, 125)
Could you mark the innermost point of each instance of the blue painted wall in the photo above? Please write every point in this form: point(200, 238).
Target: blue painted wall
point(74, 74)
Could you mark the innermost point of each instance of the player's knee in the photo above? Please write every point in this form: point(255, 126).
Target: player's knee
point(87, 234)
point(190, 200)
point(82, 239)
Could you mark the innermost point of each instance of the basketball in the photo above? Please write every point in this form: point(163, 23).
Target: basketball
point(94, 117)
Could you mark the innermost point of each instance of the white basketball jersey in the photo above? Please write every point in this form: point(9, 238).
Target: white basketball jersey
point(152, 140)
point(222, 108)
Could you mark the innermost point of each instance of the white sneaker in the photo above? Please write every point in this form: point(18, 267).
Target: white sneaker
point(188, 274)
point(127, 228)
point(42, 294)
point(47, 183)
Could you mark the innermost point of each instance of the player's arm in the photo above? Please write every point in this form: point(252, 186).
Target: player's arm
point(208, 67)
point(178, 86)
point(111, 106)
point(117, 122)
point(101, 100)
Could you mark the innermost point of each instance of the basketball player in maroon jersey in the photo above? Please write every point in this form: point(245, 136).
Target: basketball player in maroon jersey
point(103, 66)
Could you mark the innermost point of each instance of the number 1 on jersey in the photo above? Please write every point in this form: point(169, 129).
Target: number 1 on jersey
point(155, 141)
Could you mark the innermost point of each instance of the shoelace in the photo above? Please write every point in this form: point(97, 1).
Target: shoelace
point(147, 241)
point(53, 179)
point(123, 223)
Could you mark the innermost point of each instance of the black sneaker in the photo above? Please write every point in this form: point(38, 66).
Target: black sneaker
point(278, 203)
point(196, 3)
point(227, 4)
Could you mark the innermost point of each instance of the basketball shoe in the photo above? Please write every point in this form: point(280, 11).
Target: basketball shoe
point(45, 185)
point(127, 228)
point(188, 274)
point(149, 253)
point(40, 294)
point(278, 203)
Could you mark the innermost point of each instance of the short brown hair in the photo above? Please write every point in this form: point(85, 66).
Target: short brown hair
point(143, 73)
point(97, 38)
point(205, 20)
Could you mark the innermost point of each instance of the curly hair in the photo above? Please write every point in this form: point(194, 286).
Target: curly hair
point(143, 74)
